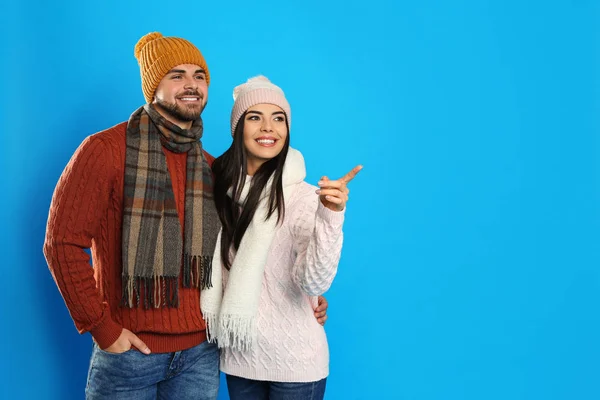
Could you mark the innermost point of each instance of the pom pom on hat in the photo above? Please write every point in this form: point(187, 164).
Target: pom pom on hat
point(254, 83)
point(145, 39)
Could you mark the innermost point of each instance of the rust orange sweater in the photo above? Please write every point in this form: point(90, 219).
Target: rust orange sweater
point(86, 212)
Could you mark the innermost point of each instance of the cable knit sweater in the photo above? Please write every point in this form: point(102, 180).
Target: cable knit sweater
point(291, 345)
point(87, 212)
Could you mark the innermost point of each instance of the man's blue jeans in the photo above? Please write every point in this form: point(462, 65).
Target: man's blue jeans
point(187, 374)
point(246, 389)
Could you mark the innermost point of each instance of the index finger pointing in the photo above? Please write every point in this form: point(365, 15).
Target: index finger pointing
point(350, 175)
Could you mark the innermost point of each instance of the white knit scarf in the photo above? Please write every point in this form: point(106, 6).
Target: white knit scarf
point(231, 312)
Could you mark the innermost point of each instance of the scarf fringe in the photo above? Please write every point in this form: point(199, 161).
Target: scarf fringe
point(159, 291)
point(212, 325)
point(197, 271)
point(236, 331)
point(206, 280)
point(151, 292)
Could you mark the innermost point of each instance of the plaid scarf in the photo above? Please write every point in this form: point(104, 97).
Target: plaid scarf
point(153, 249)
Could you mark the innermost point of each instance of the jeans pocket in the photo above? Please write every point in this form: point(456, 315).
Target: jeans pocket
point(112, 374)
point(108, 353)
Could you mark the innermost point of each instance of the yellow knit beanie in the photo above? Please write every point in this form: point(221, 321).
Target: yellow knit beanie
point(157, 55)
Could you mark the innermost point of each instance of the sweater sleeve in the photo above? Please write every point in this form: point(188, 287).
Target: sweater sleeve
point(79, 203)
point(318, 237)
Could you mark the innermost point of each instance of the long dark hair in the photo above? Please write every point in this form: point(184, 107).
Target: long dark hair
point(230, 171)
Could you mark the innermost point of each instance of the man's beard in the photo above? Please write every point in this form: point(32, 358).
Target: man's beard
point(182, 114)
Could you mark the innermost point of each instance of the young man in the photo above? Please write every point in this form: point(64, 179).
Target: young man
point(140, 196)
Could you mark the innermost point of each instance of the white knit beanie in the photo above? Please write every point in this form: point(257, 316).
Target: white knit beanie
point(255, 91)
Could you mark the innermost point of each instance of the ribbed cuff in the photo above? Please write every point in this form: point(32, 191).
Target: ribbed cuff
point(107, 332)
point(332, 217)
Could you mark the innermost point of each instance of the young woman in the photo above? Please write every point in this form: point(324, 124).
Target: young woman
point(278, 249)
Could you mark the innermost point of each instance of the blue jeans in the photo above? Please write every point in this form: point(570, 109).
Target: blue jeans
point(187, 374)
point(246, 389)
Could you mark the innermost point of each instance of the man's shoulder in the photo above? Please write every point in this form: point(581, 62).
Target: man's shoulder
point(111, 140)
point(116, 132)
point(108, 144)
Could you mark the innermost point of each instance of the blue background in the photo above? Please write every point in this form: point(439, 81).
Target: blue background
point(470, 266)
